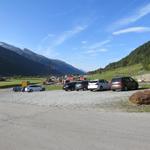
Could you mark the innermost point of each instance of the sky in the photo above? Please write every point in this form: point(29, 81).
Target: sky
point(87, 34)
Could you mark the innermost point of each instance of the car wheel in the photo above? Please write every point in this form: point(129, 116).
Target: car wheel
point(136, 88)
point(30, 90)
point(101, 88)
point(72, 89)
point(125, 88)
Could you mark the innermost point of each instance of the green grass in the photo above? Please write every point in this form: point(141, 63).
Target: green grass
point(145, 86)
point(53, 87)
point(129, 107)
point(17, 81)
point(33, 80)
point(123, 106)
point(123, 71)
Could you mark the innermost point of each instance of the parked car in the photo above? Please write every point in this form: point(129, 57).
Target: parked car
point(32, 88)
point(18, 89)
point(81, 85)
point(96, 85)
point(69, 86)
point(123, 84)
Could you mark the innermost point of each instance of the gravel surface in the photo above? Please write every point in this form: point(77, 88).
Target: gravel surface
point(30, 127)
point(63, 99)
point(34, 121)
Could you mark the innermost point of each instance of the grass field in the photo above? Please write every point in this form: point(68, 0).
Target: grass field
point(33, 80)
point(17, 81)
point(123, 71)
point(53, 87)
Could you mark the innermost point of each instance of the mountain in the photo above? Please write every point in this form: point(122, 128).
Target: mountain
point(140, 55)
point(135, 57)
point(16, 61)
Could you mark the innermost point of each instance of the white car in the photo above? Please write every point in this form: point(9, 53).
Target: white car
point(96, 85)
point(32, 88)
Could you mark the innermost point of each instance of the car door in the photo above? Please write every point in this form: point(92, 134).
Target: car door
point(106, 84)
point(103, 84)
point(33, 88)
point(132, 83)
point(128, 83)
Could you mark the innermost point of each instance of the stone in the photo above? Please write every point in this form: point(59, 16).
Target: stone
point(141, 98)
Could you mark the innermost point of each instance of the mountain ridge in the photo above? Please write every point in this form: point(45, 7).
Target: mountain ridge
point(50, 66)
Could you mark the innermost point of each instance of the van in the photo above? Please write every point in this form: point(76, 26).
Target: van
point(123, 84)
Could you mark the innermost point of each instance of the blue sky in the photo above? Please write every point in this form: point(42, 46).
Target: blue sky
point(85, 33)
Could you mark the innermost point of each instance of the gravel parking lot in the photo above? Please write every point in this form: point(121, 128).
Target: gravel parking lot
point(34, 121)
point(62, 98)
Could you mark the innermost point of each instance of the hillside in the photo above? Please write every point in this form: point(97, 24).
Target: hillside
point(140, 55)
point(15, 61)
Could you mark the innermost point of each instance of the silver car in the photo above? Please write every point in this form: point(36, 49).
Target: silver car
point(32, 88)
point(96, 85)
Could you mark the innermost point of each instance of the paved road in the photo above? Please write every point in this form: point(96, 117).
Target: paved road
point(29, 127)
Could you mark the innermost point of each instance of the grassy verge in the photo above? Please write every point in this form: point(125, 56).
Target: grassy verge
point(129, 107)
point(53, 87)
point(145, 86)
point(17, 81)
point(125, 106)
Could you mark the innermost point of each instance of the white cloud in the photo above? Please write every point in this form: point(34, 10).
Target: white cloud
point(140, 13)
point(132, 29)
point(93, 51)
point(98, 44)
point(48, 44)
point(68, 34)
point(83, 42)
point(96, 48)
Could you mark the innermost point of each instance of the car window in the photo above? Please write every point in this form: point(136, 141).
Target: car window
point(34, 86)
point(101, 81)
point(131, 79)
point(105, 81)
point(116, 80)
point(93, 82)
point(127, 79)
point(79, 83)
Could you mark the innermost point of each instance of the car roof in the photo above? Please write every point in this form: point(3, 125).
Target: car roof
point(34, 85)
point(121, 77)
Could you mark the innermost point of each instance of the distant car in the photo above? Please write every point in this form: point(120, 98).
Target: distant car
point(97, 85)
point(69, 86)
point(17, 89)
point(32, 88)
point(81, 85)
point(123, 84)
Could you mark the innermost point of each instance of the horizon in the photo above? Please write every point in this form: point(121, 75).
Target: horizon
point(88, 34)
